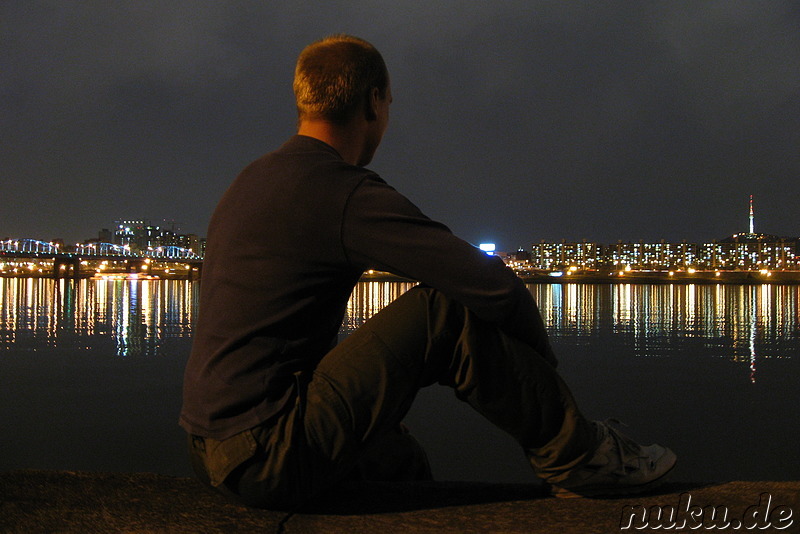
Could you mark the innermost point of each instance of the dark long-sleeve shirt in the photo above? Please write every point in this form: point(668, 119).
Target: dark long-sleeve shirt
point(286, 245)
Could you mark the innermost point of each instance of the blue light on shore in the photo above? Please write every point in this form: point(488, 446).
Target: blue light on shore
point(488, 248)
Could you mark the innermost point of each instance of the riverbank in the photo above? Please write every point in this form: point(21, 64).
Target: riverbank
point(659, 277)
point(60, 501)
point(634, 277)
point(536, 277)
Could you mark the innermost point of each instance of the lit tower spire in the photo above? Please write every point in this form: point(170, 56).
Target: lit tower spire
point(752, 226)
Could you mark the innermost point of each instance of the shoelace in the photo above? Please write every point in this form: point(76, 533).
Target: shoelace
point(629, 451)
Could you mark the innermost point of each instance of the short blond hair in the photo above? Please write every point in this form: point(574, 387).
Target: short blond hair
point(334, 76)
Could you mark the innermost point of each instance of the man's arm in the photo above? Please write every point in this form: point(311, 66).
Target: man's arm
point(383, 230)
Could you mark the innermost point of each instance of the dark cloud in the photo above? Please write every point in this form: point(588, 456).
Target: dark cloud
point(513, 121)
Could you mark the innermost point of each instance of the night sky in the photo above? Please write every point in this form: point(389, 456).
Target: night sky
point(512, 121)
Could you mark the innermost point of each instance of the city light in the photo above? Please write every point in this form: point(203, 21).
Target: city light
point(488, 248)
point(138, 245)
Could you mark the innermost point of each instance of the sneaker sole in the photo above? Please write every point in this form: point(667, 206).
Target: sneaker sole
point(606, 491)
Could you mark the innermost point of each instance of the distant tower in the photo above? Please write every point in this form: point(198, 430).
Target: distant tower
point(752, 226)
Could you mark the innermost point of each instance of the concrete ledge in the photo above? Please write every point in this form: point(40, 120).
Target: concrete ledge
point(57, 501)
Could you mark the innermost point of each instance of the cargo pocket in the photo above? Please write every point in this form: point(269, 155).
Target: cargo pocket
point(224, 456)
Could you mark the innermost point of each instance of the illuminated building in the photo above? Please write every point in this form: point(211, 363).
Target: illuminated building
point(650, 256)
point(140, 236)
point(735, 253)
point(187, 241)
point(550, 256)
point(749, 252)
point(741, 252)
point(137, 234)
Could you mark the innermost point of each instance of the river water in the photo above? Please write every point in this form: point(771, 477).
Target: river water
point(90, 376)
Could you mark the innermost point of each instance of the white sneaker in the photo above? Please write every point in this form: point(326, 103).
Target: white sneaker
point(620, 466)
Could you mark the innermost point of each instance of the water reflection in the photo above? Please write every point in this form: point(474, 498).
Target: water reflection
point(369, 298)
point(134, 315)
point(81, 356)
point(738, 322)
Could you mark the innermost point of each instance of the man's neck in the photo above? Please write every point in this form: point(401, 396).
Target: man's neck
point(348, 140)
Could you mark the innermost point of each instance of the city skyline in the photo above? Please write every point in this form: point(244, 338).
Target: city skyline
point(149, 234)
point(741, 251)
point(511, 122)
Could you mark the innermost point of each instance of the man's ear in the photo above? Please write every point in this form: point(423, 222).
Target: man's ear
point(371, 104)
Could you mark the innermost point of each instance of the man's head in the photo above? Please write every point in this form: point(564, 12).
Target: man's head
point(334, 78)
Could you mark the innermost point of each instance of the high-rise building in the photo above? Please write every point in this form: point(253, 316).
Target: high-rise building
point(138, 234)
point(141, 236)
point(565, 254)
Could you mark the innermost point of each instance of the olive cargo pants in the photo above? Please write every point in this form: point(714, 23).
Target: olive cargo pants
point(346, 421)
